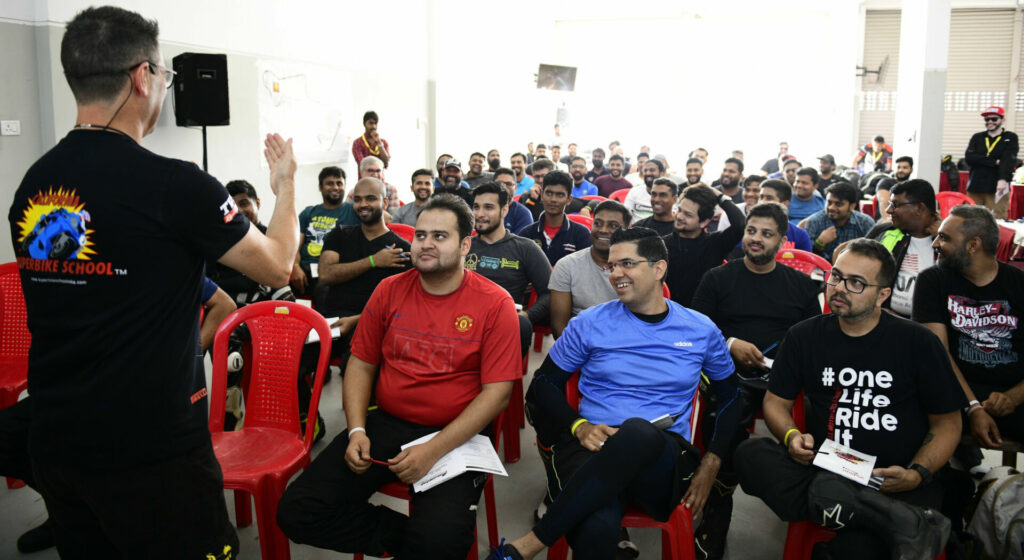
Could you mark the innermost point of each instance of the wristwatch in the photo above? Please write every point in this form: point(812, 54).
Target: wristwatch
point(926, 475)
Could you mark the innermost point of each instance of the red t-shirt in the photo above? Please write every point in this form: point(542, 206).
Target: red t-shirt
point(435, 352)
point(360, 150)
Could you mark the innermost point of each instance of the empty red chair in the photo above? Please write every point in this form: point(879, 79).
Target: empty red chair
point(620, 195)
point(262, 457)
point(677, 532)
point(15, 341)
point(586, 221)
point(401, 491)
point(406, 232)
point(947, 200)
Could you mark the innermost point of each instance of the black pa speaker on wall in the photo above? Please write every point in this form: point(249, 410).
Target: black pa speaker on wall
point(201, 90)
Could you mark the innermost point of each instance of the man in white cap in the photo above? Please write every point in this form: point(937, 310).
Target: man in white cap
point(992, 155)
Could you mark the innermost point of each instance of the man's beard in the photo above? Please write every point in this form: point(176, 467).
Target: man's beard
point(956, 263)
point(494, 163)
point(373, 218)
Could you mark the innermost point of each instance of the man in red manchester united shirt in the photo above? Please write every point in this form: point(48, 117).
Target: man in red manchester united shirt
point(446, 341)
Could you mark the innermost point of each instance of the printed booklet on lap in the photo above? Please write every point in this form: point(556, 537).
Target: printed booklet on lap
point(477, 454)
point(847, 462)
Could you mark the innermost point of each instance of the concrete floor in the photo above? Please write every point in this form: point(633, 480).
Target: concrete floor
point(755, 534)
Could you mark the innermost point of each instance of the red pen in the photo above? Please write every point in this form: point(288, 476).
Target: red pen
point(383, 463)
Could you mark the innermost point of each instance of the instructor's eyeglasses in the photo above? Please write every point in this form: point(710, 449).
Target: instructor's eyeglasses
point(993, 119)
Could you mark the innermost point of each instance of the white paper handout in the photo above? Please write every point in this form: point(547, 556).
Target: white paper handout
point(847, 462)
point(314, 336)
point(477, 454)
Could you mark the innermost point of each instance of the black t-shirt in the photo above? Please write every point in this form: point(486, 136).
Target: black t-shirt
point(689, 259)
point(663, 228)
point(111, 241)
point(349, 298)
point(874, 392)
point(238, 286)
point(982, 323)
point(757, 308)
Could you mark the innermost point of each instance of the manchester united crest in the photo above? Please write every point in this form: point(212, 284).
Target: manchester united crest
point(463, 323)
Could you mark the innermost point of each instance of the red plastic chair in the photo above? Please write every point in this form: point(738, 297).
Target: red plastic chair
point(620, 195)
point(594, 197)
point(807, 263)
point(262, 457)
point(584, 220)
point(400, 491)
point(677, 532)
point(947, 200)
point(15, 341)
point(404, 231)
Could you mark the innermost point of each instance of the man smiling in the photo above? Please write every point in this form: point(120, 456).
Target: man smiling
point(664, 194)
point(554, 232)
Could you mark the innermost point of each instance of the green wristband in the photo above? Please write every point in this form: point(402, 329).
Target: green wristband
point(371, 262)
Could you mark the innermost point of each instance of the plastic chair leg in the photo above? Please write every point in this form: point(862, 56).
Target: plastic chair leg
point(510, 426)
point(559, 551)
point(243, 510)
point(273, 542)
point(492, 512)
point(538, 342)
point(13, 483)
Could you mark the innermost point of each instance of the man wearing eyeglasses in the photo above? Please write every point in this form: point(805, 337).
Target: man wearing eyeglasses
point(112, 242)
point(640, 357)
point(992, 155)
point(878, 384)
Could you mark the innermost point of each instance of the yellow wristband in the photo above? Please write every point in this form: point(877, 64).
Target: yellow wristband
point(785, 439)
point(575, 425)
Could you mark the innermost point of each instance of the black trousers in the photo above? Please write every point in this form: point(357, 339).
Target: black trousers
point(171, 509)
point(14, 423)
point(767, 472)
point(327, 505)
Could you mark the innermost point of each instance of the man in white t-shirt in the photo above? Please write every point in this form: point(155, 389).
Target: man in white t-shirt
point(915, 220)
point(638, 200)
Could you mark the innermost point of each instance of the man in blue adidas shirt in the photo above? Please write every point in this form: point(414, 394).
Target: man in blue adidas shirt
point(640, 358)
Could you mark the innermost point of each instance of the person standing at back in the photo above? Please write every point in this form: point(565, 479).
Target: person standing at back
point(112, 240)
point(992, 155)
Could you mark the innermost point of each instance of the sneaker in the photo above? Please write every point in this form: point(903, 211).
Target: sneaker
point(913, 533)
point(39, 538)
point(710, 536)
point(627, 550)
point(318, 432)
point(504, 552)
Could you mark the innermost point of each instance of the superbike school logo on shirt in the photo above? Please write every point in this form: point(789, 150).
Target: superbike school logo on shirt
point(54, 237)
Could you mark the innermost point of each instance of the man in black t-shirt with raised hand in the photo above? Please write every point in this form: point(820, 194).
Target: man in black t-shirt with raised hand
point(754, 301)
point(973, 303)
point(878, 384)
point(356, 258)
point(111, 240)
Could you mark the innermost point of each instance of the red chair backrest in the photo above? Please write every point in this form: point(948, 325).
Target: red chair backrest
point(404, 231)
point(620, 195)
point(948, 199)
point(665, 291)
point(278, 331)
point(803, 261)
point(15, 339)
point(594, 197)
point(588, 222)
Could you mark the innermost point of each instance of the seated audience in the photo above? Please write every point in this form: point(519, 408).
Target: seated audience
point(599, 169)
point(973, 302)
point(451, 180)
point(240, 288)
point(314, 224)
point(694, 170)
point(531, 199)
point(693, 251)
point(615, 180)
point(554, 232)
point(664, 194)
point(608, 454)
point(883, 188)
point(806, 199)
point(908, 235)
point(638, 200)
point(754, 301)
point(400, 332)
point(879, 384)
point(476, 174)
point(839, 221)
point(579, 281)
point(518, 216)
point(372, 166)
point(523, 181)
point(580, 186)
point(512, 262)
point(422, 189)
point(730, 180)
point(826, 172)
